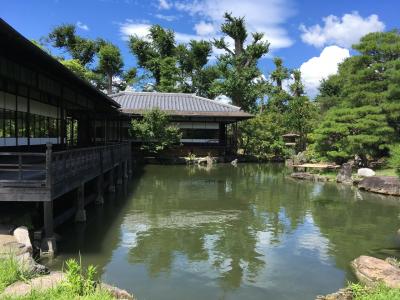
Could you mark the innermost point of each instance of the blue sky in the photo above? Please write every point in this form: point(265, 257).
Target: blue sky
point(309, 34)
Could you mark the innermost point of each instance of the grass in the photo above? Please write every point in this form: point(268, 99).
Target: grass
point(386, 172)
point(80, 283)
point(63, 293)
point(11, 271)
point(380, 292)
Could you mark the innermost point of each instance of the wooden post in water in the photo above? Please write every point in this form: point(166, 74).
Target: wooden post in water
point(111, 187)
point(80, 215)
point(125, 173)
point(99, 187)
point(119, 174)
point(49, 247)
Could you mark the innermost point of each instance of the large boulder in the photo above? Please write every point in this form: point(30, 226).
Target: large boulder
point(388, 185)
point(21, 234)
point(117, 293)
point(344, 174)
point(307, 176)
point(370, 271)
point(42, 283)
point(22, 288)
point(365, 172)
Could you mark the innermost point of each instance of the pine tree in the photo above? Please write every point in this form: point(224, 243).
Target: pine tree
point(363, 101)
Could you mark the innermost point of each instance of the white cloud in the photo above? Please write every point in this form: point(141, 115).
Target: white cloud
point(140, 29)
point(168, 18)
point(82, 26)
point(129, 28)
point(164, 4)
point(320, 67)
point(344, 31)
point(268, 17)
point(204, 29)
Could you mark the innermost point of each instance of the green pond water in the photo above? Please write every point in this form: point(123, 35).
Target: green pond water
point(179, 232)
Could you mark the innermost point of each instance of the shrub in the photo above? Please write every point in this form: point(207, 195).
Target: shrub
point(380, 292)
point(394, 160)
point(81, 282)
point(155, 131)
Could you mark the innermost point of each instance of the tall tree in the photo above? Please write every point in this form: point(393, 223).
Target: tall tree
point(110, 65)
point(366, 96)
point(277, 97)
point(155, 52)
point(83, 53)
point(81, 49)
point(240, 78)
point(175, 67)
point(195, 75)
point(301, 112)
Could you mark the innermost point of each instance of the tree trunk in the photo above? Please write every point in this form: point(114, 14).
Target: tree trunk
point(109, 84)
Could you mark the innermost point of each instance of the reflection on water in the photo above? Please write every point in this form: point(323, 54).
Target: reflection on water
point(232, 233)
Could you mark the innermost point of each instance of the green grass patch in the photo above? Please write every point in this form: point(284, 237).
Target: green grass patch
point(11, 271)
point(386, 172)
point(80, 283)
point(380, 292)
point(63, 292)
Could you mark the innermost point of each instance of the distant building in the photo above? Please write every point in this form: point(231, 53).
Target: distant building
point(203, 122)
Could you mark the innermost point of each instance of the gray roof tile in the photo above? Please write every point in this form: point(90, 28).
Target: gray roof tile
point(175, 104)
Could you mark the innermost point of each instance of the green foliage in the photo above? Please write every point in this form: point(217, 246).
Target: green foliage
point(79, 281)
point(262, 136)
point(75, 66)
point(240, 79)
point(81, 49)
point(300, 117)
point(11, 271)
point(380, 292)
point(362, 101)
point(84, 51)
point(79, 284)
point(345, 132)
point(150, 52)
point(110, 63)
point(175, 68)
point(394, 160)
point(155, 131)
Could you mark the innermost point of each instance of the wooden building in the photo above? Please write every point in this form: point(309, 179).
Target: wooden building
point(57, 132)
point(203, 122)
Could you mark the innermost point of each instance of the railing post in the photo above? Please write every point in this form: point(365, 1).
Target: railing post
point(20, 167)
point(48, 165)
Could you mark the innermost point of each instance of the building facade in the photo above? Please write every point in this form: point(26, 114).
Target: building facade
point(204, 123)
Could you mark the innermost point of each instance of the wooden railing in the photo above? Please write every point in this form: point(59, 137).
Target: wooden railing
point(59, 171)
point(21, 168)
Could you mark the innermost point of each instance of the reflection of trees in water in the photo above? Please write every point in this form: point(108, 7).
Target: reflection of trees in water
point(259, 193)
point(358, 227)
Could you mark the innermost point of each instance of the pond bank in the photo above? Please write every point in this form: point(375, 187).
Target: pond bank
point(26, 276)
point(385, 185)
point(379, 279)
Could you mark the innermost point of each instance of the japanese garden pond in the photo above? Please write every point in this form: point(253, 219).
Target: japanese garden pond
point(250, 232)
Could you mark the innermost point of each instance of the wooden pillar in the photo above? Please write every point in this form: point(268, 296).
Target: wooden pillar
point(111, 187)
point(129, 166)
point(125, 171)
point(119, 174)
point(80, 215)
point(49, 247)
point(99, 184)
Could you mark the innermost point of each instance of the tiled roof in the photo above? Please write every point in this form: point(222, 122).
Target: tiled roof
point(176, 104)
